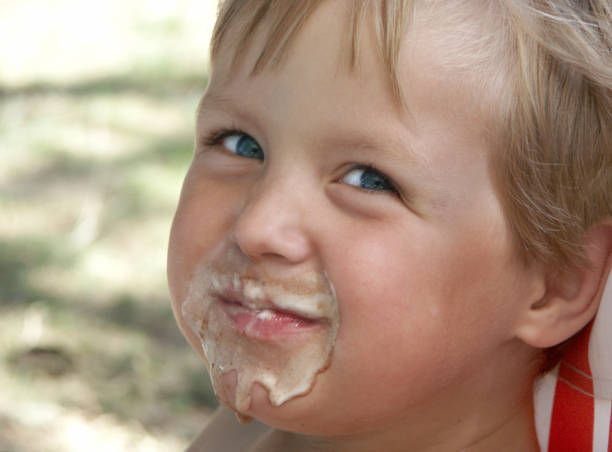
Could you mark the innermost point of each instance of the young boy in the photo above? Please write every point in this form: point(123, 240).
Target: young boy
point(396, 212)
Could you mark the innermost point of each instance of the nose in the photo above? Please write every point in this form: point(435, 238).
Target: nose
point(271, 224)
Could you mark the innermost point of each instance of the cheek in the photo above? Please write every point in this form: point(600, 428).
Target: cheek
point(388, 304)
point(203, 215)
point(385, 281)
point(200, 224)
point(419, 310)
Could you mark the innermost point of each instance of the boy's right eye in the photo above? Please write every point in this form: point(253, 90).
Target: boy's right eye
point(242, 145)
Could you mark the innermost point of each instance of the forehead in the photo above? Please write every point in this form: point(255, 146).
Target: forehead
point(321, 39)
point(317, 60)
point(461, 39)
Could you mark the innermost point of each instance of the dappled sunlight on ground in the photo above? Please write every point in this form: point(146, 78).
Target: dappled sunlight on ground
point(96, 129)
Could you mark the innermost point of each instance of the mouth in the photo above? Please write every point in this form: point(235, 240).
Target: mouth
point(262, 320)
point(278, 333)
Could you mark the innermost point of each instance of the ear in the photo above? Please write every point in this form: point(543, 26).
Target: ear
point(571, 299)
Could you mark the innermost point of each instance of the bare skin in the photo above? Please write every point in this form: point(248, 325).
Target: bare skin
point(427, 357)
point(224, 433)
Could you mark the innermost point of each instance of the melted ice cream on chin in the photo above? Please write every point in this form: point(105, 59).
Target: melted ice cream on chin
point(287, 368)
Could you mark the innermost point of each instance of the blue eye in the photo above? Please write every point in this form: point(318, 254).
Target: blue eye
point(243, 145)
point(368, 179)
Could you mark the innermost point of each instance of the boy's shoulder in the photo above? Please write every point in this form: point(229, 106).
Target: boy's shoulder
point(224, 433)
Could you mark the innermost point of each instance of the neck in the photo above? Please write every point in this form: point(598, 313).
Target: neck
point(484, 414)
point(513, 433)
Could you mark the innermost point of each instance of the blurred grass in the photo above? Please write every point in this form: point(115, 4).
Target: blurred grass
point(96, 129)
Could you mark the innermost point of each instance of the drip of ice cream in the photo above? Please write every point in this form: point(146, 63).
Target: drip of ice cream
point(278, 334)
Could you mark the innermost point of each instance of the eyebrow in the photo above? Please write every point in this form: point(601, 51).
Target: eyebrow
point(369, 142)
point(210, 99)
point(334, 138)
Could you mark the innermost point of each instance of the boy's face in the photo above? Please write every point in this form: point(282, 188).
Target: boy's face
point(425, 277)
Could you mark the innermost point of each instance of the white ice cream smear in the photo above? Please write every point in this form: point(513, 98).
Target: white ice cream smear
point(287, 369)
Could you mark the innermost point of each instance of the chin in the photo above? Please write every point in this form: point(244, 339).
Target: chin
point(303, 414)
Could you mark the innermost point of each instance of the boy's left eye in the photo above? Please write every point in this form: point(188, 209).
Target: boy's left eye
point(243, 145)
point(368, 179)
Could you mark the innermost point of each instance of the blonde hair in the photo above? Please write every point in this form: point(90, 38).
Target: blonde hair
point(553, 161)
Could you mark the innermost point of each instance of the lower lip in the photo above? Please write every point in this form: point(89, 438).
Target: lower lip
point(266, 325)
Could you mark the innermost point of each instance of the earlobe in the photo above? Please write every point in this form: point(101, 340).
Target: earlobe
point(570, 301)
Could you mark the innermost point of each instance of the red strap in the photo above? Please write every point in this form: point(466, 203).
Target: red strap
point(571, 428)
point(610, 435)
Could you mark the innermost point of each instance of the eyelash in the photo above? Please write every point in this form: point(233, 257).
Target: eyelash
point(371, 166)
point(216, 137)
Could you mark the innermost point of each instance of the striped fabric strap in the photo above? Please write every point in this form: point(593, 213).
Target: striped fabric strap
point(573, 420)
point(571, 427)
point(573, 403)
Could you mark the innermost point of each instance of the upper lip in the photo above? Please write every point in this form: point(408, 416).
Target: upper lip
point(231, 295)
point(234, 296)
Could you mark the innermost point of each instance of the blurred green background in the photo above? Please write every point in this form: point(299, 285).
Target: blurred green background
point(97, 100)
